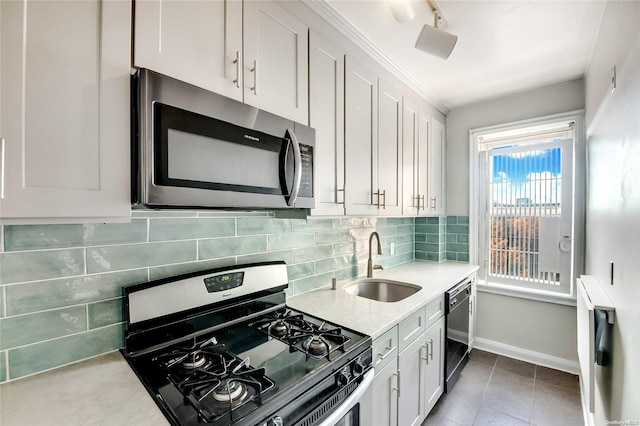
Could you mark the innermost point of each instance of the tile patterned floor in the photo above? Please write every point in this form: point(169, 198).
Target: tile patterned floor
point(495, 390)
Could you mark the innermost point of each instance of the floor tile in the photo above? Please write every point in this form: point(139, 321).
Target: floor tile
point(510, 394)
point(544, 414)
point(458, 409)
point(438, 420)
point(482, 357)
point(488, 416)
point(555, 395)
point(516, 366)
point(557, 378)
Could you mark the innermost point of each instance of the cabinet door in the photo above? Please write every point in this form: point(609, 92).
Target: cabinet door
point(437, 164)
point(411, 373)
point(409, 152)
point(275, 61)
point(65, 128)
point(199, 42)
point(326, 115)
point(422, 165)
point(385, 395)
point(361, 128)
point(434, 364)
point(388, 155)
point(473, 308)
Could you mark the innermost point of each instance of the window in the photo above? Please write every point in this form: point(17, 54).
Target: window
point(524, 201)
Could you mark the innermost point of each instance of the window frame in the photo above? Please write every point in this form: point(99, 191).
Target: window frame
point(578, 211)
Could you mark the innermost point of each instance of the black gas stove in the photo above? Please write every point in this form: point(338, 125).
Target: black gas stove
point(221, 347)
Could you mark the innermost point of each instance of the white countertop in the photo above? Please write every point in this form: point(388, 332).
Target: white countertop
point(372, 317)
point(105, 391)
point(99, 391)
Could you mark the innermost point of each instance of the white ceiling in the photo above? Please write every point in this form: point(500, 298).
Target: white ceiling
point(503, 47)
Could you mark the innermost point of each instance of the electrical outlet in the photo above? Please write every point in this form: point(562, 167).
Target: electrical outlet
point(392, 248)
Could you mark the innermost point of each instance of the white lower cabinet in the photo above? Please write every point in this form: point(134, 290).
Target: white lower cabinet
point(434, 364)
point(409, 363)
point(385, 395)
point(411, 378)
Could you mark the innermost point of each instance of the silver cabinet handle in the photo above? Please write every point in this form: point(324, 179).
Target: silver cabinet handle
point(254, 70)
point(397, 386)
point(426, 357)
point(433, 202)
point(343, 196)
point(2, 150)
point(431, 349)
point(386, 353)
point(236, 61)
point(297, 168)
point(379, 195)
point(398, 383)
point(421, 198)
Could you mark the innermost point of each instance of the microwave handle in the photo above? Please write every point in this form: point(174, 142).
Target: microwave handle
point(297, 168)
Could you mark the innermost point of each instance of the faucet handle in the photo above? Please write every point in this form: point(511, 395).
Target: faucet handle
point(378, 267)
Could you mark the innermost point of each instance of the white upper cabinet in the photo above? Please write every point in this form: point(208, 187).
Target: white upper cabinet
point(361, 131)
point(388, 155)
point(252, 51)
point(326, 115)
point(275, 61)
point(415, 139)
point(437, 167)
point(64, 118)
point(199, 42)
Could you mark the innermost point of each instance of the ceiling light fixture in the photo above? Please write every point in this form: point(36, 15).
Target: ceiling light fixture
point(433, 40)
point(402, 10)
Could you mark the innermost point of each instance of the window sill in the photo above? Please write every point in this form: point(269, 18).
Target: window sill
point(540, 296)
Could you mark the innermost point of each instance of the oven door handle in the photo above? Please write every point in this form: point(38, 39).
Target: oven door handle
point(348, 403)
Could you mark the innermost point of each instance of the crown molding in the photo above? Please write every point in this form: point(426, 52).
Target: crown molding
point(346, 28)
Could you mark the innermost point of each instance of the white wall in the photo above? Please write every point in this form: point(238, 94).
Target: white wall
point(535, 331)
point(521, 106)
point(613, 207)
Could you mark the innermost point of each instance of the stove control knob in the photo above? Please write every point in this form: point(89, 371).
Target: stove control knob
point(276, 421)
point(342, 378)
point(358, 368)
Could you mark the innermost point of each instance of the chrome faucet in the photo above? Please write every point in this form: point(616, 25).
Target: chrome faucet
point(370, 265)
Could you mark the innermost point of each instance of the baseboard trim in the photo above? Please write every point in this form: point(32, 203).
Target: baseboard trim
point(533, 357)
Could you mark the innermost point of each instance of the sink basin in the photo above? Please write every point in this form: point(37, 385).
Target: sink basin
point(382, 290)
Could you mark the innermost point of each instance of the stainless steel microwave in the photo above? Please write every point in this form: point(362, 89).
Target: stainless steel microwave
point(195, 148)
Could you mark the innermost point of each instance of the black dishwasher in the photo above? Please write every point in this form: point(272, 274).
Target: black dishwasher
point(457, 324)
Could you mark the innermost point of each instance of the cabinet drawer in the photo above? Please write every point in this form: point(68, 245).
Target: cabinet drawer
point(434, 310)
point(385, 349)
point(410, 328)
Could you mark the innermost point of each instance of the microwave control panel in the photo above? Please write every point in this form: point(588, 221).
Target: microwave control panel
point(306, 182)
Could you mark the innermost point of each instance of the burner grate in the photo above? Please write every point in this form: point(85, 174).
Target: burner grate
point(315, 341)
point(215, 383)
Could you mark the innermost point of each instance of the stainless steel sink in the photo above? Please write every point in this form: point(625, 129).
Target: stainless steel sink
point(382, 290)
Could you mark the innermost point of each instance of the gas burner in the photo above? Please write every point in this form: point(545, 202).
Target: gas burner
point(230, 391)
point(279, 328)
point(317, 346)
point(197, 360)
point(280, 323)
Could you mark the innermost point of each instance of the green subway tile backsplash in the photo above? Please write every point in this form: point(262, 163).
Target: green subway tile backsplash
point(62, 284)
point(24, 329)
point(442, 238)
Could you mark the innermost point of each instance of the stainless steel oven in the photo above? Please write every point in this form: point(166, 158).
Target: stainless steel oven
point(221, 347)
point(195, 148)
point(457, 334)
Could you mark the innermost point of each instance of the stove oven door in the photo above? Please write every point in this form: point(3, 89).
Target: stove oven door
point(356, 409)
